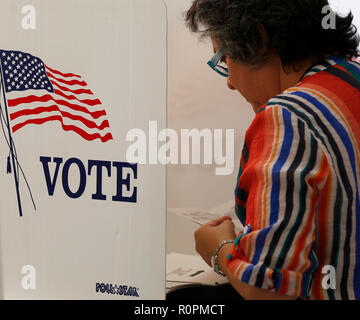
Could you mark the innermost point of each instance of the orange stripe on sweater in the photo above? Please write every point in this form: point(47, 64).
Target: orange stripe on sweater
point(277, 137)
point(323, 232)
point(313, 181)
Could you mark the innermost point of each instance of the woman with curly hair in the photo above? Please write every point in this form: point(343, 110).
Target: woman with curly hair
point(297, 192)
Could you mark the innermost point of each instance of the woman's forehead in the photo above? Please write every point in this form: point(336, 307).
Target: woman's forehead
point(214, 44)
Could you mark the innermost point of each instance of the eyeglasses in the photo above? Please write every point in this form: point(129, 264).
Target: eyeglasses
point(219, 67)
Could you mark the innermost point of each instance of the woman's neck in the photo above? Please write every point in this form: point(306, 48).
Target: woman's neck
point(291, 78)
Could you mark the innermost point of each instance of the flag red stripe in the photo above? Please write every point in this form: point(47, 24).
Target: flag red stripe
point(39, 110)
point(62, 74)
point(70, 83)
point(82, 133)
point(47, 97)
point(71, 97)
point(78, 91)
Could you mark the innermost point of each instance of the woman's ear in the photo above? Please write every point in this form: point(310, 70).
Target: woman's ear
point(265, 40)
point(264, 35)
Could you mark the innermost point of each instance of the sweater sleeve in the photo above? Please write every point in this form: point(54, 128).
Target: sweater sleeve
point(282, 170)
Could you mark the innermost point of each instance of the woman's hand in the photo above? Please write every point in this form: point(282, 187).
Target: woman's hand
point(209, 236)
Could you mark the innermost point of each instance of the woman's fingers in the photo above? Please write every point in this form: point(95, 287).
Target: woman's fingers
point(216, 222)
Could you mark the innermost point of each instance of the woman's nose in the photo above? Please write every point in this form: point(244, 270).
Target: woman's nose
point(230, 86)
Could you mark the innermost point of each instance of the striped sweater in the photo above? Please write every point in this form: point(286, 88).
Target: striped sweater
point(297, 192)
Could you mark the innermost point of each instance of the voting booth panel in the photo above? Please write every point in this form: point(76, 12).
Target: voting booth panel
point(77, 220)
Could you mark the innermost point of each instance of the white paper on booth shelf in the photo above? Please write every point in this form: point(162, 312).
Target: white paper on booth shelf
point(202, 216)
point(184, 268)
point(74, 246)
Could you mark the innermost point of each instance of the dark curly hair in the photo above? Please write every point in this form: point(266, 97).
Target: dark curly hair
point(294, 29)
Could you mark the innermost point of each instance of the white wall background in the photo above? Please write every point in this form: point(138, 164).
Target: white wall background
point(344, 6)
point(199, 98)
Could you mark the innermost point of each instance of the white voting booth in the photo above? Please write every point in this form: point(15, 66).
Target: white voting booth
point(77, 221)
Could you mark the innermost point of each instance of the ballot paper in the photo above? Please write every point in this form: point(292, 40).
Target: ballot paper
point(201, 216)
point(184, 270)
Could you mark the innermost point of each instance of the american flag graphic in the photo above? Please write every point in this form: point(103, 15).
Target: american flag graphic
point(37, 94)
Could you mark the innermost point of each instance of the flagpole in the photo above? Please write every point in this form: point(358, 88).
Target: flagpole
point(10, 140)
